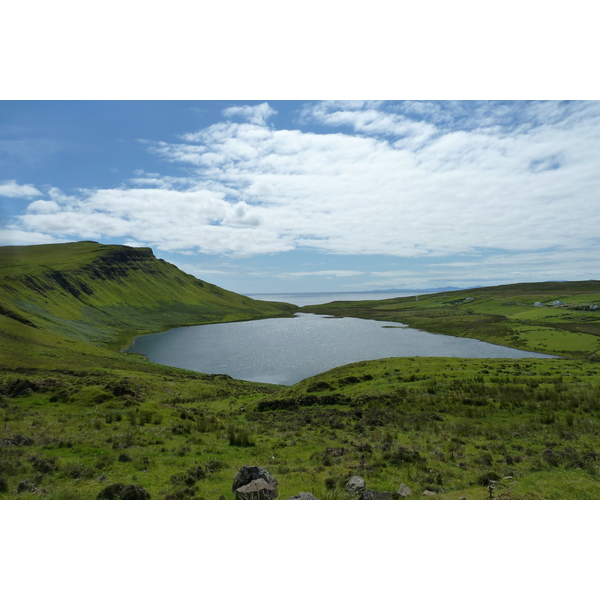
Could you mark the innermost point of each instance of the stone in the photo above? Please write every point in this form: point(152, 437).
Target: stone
point(355, 485)
point(248, 474)
point(375, 495)
point(429, 494)
point(303, 496)
point(404, 491)
point(257, 489)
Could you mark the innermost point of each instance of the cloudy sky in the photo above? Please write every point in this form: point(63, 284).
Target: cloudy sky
point(298, 196)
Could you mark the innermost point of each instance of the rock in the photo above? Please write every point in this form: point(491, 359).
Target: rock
point(248, 474)
point(375, 495)
point(303, 496)
point(404, 491)
point(355, 485)
point(26, 486)
point(257, 489)
point(120, 491)
point(429, 494)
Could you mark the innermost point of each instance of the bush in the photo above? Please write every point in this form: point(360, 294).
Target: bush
point(239, 437)
point(120, 491)
point(486, 478)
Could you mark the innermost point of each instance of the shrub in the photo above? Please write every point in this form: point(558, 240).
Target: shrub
point(239, 437)
point(398, 455)
point(78, 471)
point(43, 465)
point(485, 479)
point(120, 491)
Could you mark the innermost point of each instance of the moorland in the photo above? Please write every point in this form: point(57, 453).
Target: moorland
point(78, 415)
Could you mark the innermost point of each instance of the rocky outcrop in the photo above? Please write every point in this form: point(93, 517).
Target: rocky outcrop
point(258, 489)
point(355, 485)
point(247, 474)
point(303, 496)
point(404, 491)
point(375, 495)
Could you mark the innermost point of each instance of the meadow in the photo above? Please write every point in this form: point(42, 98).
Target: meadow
point(78, 416)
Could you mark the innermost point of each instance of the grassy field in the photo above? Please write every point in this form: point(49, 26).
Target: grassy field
point(77, 416)
point(505, 315)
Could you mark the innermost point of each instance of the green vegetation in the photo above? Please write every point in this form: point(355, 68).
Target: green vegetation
point(506, 315)
point(106, 295)
point(79, 419)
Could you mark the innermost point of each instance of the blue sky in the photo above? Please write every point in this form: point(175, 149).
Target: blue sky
point(302, 196)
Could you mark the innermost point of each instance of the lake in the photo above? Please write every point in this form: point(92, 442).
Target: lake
point(287, 350)
point(308, 299)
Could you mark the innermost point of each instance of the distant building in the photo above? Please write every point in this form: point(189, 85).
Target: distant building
point(558, 303)
point(538, 304)
point(467, 299)
point(594, 307)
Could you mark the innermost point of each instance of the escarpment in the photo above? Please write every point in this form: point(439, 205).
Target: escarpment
point(107, 294)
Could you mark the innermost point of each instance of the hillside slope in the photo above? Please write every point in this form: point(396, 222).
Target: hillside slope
point(106, 295)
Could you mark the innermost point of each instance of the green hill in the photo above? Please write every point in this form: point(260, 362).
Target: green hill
point(521, 315)
point(106, 295)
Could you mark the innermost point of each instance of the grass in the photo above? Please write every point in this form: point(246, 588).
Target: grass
point(76, 416)
point(504, 315)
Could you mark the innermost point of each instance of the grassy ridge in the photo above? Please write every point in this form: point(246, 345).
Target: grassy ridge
point(108, 294)
point(505, 315)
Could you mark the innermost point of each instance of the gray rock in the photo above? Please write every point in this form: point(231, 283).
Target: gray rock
point(355, 485)
point(247, 474)
point(257, 489)
point(303, 496)
point(375, 495)
point(404, 490)
point(429, 494)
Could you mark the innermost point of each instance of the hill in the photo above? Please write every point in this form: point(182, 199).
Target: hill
point(106, 295)
point(553, 317)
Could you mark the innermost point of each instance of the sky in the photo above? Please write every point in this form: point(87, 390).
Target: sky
point(314, 196)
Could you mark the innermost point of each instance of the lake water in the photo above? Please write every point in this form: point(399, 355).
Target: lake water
point(288, 350)
point(309, 299)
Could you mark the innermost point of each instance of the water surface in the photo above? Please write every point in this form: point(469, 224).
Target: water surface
point(288, 350)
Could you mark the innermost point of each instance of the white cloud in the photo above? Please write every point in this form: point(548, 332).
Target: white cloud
point(17, 237)
point(257, 114)
point(397, 186)
point(43, 206)
point(11, 189)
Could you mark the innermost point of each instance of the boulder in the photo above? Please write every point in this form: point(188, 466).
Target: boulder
point(404, 491)
point(355, 485)
point(303, 496)
point(375, 495)
point(257, 489)
point(429, 494)
point(247, 474)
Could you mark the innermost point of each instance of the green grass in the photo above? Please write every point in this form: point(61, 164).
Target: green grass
point(503, 315)
point(77, 416)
